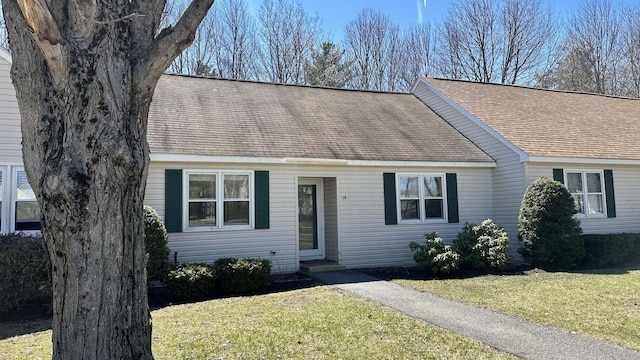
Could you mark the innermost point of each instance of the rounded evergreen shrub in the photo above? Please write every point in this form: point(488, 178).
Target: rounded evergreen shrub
point(190, 281)
point(483, 247)
point(242, 276)
point(434, 255)
point(548, 227)
point(155, 239)
point(24, 272)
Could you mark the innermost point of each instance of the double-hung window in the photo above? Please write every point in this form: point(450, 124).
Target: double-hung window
point(219, 199)
point(587, 189)
point(421, 197)
point(27, 212)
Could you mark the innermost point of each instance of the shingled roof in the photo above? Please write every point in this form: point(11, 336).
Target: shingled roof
point(215, 117)
point(552, 123)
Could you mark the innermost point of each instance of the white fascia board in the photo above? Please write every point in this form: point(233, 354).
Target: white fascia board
point(5, 55)
point(523, 155)
point(311, 161)
point(570, 160)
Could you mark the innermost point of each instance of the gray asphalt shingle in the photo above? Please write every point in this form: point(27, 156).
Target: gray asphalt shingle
point(216, 117)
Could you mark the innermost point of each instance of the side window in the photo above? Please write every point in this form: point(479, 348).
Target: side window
point(218, 199)
point(587, 189)
point(27, 212)
point(421, 197)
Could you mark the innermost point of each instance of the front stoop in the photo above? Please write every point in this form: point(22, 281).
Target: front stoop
point(320, 266)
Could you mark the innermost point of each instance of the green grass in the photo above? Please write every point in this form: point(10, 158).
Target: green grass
point(601, 305)
point(316, 323)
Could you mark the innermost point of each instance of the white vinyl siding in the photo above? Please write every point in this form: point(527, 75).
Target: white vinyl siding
point(364, 239)
point(626, 180)
point(508, 182)
point(10, 134)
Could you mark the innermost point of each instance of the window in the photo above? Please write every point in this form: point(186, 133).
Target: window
point(587, 189)
point(219, 199)
point(27, 212)
point(421, 197)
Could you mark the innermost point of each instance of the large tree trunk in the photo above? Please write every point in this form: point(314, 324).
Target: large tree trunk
point(84, 93)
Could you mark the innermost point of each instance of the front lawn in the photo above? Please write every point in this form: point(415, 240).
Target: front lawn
point(604, 305)
point(315, 323)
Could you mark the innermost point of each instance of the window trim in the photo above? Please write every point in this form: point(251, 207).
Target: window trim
point(220, 200)
point(585, 191)
point(421, 200)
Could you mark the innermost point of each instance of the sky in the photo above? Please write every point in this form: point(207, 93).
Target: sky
point(337, 13)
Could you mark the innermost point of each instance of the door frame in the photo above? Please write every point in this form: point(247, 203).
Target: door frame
point(320, 253)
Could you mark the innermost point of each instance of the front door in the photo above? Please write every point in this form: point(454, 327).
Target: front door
point(310, 219)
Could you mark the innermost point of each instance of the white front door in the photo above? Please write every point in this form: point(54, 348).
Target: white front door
point(310, 219)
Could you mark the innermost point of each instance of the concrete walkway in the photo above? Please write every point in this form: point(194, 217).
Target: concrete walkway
point(505, 333)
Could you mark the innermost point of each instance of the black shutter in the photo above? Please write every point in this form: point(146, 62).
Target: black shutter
point(173, 200)
point(261, 182)
point(452, 198)
point(390, 207)
point(558, 175)
point(610, 193)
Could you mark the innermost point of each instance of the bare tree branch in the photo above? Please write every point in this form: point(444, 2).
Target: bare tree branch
point(172, 40)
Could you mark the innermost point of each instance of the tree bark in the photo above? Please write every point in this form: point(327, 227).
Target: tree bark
point(84, 95)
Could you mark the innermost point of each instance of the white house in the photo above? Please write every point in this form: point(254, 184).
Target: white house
point(295, 173)
point(589, 142)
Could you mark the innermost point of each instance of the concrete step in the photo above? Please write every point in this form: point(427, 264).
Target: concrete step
point(320, 266)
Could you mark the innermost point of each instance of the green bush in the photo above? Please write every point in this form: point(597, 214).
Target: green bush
point(434, 255)
point(190, 281)
point(610, 250)
point(482, 247)
point(24, 272)
point(155, 239)
point(548, 227)
point(242, 276)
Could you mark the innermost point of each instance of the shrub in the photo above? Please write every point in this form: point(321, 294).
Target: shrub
point(482, 247)
point(434, 255)
point(24, 272)
point(190, 281)
point(548, 227)
point(610, 250)
point(155, 239)
point(242, 276)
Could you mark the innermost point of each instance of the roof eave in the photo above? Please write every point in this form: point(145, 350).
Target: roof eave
point(587, 161)
point(315, 161)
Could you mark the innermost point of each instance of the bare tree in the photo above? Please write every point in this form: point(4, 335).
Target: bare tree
point(196, 59)
point(236, 43)
point(417, 55)
point(594, 29)
point(495, 41)
point(630, 36)
point(529, 30)
point(84, 74)
point(288, 35)
point(372, 43)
